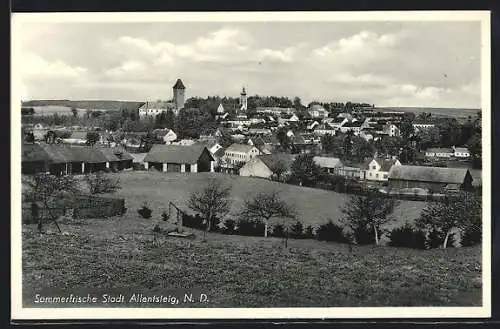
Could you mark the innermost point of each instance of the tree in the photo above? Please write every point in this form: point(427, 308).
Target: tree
point(50, 190)
point(92, 138)
point(305, 170)
point(75, 112)
point(213, 201)
point(330, 144)
point(50, 137)
point(267, 205)
point(297, 103)
point(451, 212)
point(278, 166)
point(406, 129)
point(369, 212)
point(99, 183)
point(283, 139)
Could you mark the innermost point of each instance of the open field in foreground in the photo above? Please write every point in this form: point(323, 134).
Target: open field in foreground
point(236, 271)
point(314, 206)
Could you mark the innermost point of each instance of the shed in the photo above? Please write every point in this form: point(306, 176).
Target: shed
point(179, 158)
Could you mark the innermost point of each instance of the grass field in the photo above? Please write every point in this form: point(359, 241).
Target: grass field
point(314, 206)
point(235, 271)
point(239, 271)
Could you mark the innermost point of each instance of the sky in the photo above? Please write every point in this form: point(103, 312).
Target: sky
point(423, 64)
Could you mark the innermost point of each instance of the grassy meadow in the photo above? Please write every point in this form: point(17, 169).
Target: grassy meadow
point(241, 271)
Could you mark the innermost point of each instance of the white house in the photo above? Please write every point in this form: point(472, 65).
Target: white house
point(378, 169)
point(461, 152)
point(169, 137)
point(152, 109)
point(436, 152)
point(318, 111)
point(392, 130)
point(238, 154)
point(419, 126)
point(354, 126)
point(220, 109)
point(337, 122)
point(324, 129)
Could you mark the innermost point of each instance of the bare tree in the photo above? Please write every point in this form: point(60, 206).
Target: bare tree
point(99, 183)
point(211, 202)
point(265, 206)
point(368, 212)
point(49, 190)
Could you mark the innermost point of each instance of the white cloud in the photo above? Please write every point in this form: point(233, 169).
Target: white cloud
point(128, 67)
point(36, 66)
point(286, 55)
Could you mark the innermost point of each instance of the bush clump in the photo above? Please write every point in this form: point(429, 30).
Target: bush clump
point(250, 228)
point(145, 211)
point(331, 232)
point(229, 226)
point(407, 236)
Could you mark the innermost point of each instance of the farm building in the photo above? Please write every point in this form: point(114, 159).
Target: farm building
point(237, 154)
point(64, 159)
point(378, 169)
point(178, 158)
point(329, 165)
point(439, 152)
point(266, 165)
point(434, 178)
point(34, 159)
point(461, 152)
point(117, 158)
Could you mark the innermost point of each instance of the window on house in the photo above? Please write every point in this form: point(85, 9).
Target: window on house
point(376, 175)
point(385, 175)
point(374, 167)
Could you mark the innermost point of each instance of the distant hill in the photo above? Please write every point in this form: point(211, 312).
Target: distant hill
point(97, 104)
point(442, 112)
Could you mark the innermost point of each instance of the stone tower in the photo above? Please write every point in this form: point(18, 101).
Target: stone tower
point(179, 90)
point(243, 100)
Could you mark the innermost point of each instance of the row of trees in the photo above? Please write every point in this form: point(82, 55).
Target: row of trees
point(364, 216)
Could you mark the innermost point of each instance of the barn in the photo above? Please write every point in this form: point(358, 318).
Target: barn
point(179, 158)
point(265, 165)
point(434, 178)
point(117, 158)
point(34, 159)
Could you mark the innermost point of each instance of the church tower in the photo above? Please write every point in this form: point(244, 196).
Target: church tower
point(179, 90)
point(243, 100)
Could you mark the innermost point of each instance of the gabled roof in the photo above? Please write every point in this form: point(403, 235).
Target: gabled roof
point(461, 149)
point(115, 154)
point(270, 159)
point(180, 154)
point(385, 164)
point(160, 105)
point(429, 174)
point(241, 148)
point(34, 153)
point(439, 150)
point(179, 85)
point(353, 124)
point(327, 162)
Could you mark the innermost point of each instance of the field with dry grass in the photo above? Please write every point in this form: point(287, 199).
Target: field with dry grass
point(314, 206)
point(236, 271)
point(240, 271)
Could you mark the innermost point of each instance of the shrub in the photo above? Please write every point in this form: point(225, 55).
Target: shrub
point(331, 232)
point(363, 235)
point(297, 230)
point(407, 236)
point(250, 228)
point(157, 228)
point(471, 236)
point(435, 240)
point(145, 212)
point(193, 221)
point(164, 216)
point(229, 225)
point(278, 231)
point(309, 232)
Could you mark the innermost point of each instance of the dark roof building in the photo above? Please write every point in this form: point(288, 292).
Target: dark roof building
point(179, 158)
point(405, 176)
